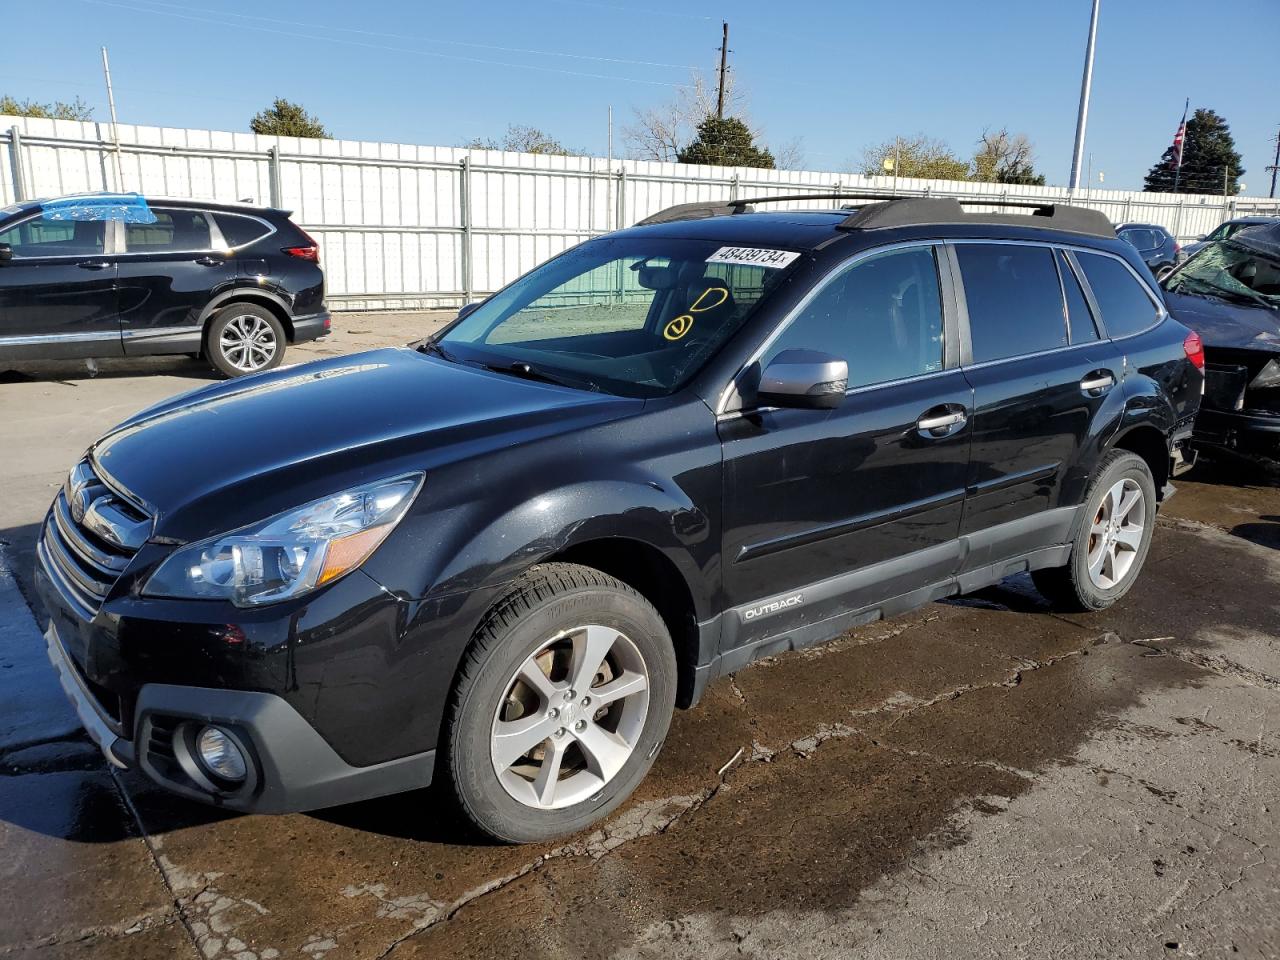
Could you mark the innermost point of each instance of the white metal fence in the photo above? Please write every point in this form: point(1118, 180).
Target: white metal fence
point(403, 226)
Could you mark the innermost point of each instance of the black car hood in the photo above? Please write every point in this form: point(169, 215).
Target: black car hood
point(1221, 323)
point(237, 452)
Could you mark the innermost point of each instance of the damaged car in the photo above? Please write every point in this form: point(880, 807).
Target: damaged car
point(1229, 293)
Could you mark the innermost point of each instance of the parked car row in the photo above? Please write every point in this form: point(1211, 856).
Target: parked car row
point(234, 283)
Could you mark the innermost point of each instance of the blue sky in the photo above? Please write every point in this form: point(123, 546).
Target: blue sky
point(839, 75)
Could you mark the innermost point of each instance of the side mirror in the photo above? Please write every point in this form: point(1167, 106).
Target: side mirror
point(803, 379)
point(468, 308)
point(6, 252)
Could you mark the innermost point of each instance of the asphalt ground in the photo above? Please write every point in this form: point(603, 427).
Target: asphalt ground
point(983, 778)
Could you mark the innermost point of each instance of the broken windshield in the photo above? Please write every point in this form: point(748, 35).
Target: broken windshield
point(1230, 270)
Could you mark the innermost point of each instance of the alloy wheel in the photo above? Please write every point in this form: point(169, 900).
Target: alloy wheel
point(1116, 534)
point(248, 342)
point(570, 718)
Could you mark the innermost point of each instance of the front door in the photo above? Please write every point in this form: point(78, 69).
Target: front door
point(828, 511)
point(57, 292)
point(169, 271)
point(1040, 375)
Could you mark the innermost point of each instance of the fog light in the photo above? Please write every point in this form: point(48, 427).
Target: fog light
point(220, 756)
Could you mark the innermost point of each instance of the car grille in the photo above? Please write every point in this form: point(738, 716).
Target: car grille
point(89, 538)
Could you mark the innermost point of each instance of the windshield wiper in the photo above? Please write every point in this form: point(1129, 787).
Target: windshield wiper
point(528, 371)
point(433, 346)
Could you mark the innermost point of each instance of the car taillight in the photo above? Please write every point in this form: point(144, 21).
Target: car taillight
point(1194, 348)
point(309, 251)
point(1177, 249)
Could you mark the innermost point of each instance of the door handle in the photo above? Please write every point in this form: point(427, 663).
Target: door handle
point(93, 264)
point(936, 426)
point(210, 261)
point(1098, 383)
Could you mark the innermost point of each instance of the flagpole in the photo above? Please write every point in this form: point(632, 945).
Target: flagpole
point(1182, 140)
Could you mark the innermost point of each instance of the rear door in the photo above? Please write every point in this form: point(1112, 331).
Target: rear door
point(57, 293)
point(1039, 381)
point(831, 510)
point(168, 272)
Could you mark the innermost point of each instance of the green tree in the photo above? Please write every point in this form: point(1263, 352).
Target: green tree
point(917, 156)
point(727, 142)
point(77, 109)
point(1002, 157)
point(524, 139)
point(1209, 159)
point(285, 119)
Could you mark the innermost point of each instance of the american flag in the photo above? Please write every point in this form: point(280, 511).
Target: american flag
point(1180, 136)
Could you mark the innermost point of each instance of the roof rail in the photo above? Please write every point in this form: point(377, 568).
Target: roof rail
point(889, 210)
point(925, 210)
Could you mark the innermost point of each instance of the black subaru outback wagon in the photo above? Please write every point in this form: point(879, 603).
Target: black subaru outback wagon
point(501, 558)
point(232, 282)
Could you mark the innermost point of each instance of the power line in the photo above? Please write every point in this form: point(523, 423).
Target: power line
point(376, 46)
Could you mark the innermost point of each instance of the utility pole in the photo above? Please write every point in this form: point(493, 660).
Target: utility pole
point(724, 65)
point(1275, 167)
point(1086, 83)
point(115, 131)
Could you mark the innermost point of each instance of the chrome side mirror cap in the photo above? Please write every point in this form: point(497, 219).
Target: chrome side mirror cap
point(803, 379)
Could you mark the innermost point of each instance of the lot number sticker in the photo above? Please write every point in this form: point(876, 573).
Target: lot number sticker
point(754, 256)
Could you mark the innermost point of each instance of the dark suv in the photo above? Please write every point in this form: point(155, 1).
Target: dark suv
point(501, 558)
point(232, 282)
point(1156, 245)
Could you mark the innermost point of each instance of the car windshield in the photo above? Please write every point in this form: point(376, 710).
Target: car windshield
point(1230, 270)
point(634, 316)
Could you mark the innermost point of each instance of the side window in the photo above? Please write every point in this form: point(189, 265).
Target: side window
point(175, 231)
point(1122, 299)
point(882, 315)
point(38, 237)
point(238, 231)
point(1079, 318)
point(1014, 300)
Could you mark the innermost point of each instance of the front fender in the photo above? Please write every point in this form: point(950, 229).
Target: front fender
point(467, 554)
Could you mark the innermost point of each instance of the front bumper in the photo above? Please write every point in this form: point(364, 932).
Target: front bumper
point(291, 767)
point(1247, 432)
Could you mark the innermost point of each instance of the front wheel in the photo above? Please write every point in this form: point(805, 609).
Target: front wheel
point(561, 704)
point(1112, 539)
point(244, 338)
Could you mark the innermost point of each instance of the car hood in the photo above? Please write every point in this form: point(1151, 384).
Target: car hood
point(240, 451)
point(1220, 323)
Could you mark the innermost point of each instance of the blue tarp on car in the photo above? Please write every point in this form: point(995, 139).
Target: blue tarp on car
point(126, 207)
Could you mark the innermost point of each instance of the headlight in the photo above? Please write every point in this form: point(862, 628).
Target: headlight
point(1268, 376)
point(290, 554)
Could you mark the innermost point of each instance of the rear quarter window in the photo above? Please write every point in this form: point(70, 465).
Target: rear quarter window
point(1122, 299)
point(238, 231)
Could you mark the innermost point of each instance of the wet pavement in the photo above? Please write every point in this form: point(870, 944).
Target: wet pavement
point(983, 778)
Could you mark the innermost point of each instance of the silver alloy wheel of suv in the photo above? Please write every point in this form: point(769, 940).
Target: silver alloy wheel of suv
point(1116, 533)
point(571, 717)
point(248, 342)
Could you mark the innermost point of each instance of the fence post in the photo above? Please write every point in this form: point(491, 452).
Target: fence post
point(622, 196)
point(1177, 228)
point(464, 194)
point(273, 176)
point(15, 156)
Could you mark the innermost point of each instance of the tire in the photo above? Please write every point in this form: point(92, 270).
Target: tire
point(553, 620)
point(1089, 581)
point(244, 338)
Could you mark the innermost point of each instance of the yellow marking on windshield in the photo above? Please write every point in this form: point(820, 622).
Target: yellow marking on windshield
point(697, 304)
point(678, 327)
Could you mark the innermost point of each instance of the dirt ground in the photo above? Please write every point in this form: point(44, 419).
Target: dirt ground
point(983, 778)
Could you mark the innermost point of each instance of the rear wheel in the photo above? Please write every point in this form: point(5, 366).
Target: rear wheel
point(560, 706)
point(244, 338)
point(1112, 539)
